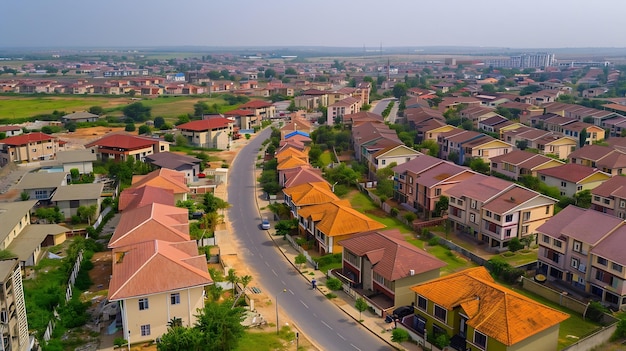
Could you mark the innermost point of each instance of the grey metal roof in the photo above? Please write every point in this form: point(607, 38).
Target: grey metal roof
point(80, 115)
point(71, 156)
point(41, 180)
point(78, 192)
point(31, 237)
point(11, 213)
point(6, 268)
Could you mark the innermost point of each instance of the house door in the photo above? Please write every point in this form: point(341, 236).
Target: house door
point(463, 327)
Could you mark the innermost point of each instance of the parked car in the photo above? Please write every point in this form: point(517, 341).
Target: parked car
point(403, 311)
point(265, 223)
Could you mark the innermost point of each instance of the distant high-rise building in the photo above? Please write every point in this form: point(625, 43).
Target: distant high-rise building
point(536, 60)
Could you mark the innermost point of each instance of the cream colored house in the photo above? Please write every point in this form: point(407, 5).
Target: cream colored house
point(14, 333)
point(212, 133)
point(156, 281)
point(25, 148)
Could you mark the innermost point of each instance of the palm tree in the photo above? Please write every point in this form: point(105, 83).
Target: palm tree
point(232, 278)
point(175, 322)
point(245, 280)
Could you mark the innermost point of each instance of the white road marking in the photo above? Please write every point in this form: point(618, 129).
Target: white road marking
point(355, 347)
point(329, 327)
point(291, 292)
point(304, 304)
point(341, 336)
point(273, 271)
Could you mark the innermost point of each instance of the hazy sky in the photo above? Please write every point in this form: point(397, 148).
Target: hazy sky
point(140, 23)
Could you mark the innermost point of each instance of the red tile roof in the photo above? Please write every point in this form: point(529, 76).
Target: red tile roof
point(137, 197)
point(24, 139)
point(123, 141)
point(255, 104)
point(206, 124)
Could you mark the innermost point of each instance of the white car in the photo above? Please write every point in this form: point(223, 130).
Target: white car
point(265, 223)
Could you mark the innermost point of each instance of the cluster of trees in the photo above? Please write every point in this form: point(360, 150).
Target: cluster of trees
point(327, 137)
point(209, 208)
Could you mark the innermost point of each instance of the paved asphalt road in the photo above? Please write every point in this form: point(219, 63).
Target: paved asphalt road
point(317, 317)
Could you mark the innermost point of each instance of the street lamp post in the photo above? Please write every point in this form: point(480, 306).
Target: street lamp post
point(277, 324)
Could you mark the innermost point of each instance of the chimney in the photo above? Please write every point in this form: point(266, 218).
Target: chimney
point(411, 272)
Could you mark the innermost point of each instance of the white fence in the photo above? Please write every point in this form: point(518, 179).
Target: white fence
point(302, 251)
point(101, 217)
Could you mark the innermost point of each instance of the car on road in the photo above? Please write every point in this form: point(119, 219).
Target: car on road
point(265, 223)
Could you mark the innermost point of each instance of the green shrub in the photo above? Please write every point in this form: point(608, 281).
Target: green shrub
point(515, 245)
point(331, 296)
point(399, 335)
point(410, 217)
point(596, 311)
point(333, 284)
point(441, 341)
point(433, 241)
point(620, 331)
point(394, 212)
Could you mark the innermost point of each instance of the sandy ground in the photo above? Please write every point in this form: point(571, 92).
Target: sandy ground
point(82, 136)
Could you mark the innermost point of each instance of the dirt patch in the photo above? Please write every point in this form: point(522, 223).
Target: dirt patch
point(101, 272)
point(83, 136)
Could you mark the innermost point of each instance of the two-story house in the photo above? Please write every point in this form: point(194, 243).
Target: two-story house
point(70, 197)
point(300, 175)
point(347, 106)
point(212, 133)
point(331, 222)
point(610, 197)
point(382, 262)
point(397, 154)
point(122, 146)
point(605, 158)
point(477, 314)
point(188, 165)
point(146, 195)
point(519, 163)
point(306, 195)
point(14, 333)
point(571, 178)
point(42, 185)
point(566, 243)
point(25, 148)
point(607, 280)
point(263, 109)
point(166, 179)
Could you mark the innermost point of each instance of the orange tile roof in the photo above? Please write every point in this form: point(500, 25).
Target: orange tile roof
point(163, 178)
point(310, 194)
point(154, 221)
point(496, 311)
point(291, 162)
point(147, 268)
point(285, 153)
point(339, 218)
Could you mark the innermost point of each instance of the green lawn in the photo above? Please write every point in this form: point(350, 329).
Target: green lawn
point(267, 341)
point(29, 106)
point(326, 158)
point(361, 202)
point(519, 258)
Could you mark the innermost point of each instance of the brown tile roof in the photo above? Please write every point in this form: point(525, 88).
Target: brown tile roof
point(310, 194)
point(496, 311)
point(570, 172)
point(523, 159)
point(303, 175)
point(147, 268)
point(616, 186)
point(339, 218)
point(439, 173)
point(206, 124)
point(584, 225)
point(392, 257)
point(346, 102)
point(419, 164)
point(591, 152)
point(509, 199)
point(137, 197)
point(255, 104)
point(612, 246)
point(479, 187)
point(150, 222)
point(163, 178)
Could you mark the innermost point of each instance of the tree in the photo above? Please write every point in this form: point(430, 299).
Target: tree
point(3, 135)
point(179, 338)
point(200, 108)
point(360, 305)
point(488, 88)
point(181, 140)
point(453, 156)
point(583, 198)
point(70, 126)
point(399, 90)
point(232, 278)
point(86, 213)
point(24, 196)
point(137, 111)
point(292, 106)
point(291, 71)
point(96, 110)
point(522, 144)
point(477, 164)
point(245, 280)
point(431, 145)
point(441, 206)
point(269, 73)
point(220, 326)
point(582, 139)
point(399, 335)
point(169, 138)
point(130, 127)
point(144, 129)
point(159, 122)
point(515, 245)
point(74, 173)
point(300, 260)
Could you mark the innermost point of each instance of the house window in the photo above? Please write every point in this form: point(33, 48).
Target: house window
point(563, 184)
point(575, 263)
point(577, 246)
point(548, 209)
point(480, 339)
point(622, 204)
point(579, 188)
point(497, 217)
point(546, 239)
point(422, 303)
point(441, 313)
point(145, 330)
point(526, 215)
point(143, 304)
point(452, 200)
point(410, 180)
point(351, 258)
point(74, 203)
point(384, 162)
point(558, 243)
point(508, 218)
point(460, 202)
point(525, 229)
point(602, 261)
point(473, 204)
point(472, 218)
point(543, 178)
point(616, 267)
point(488, 213)
point(437, 191)
point(175, 298)
point(507, 233)
point(596, 198)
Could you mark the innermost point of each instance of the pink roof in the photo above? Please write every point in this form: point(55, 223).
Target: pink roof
point(615, 186)
point(584, 225)
point(147, 268)
point(509, 199)
point(612, 246)
point(479, 187)
point(255, 104)
point(303, 175)
point(137, 197)
point(163, 178)
point(569, 172)
point(206, 124)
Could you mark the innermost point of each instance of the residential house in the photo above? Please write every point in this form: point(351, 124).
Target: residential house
point(122, 146)
point(615, 127)
point(243, 119)
point(296, 124)
point(330, 222)
point(477, 114)
point(515, 212)
point(421, 182)
point(466, 200)
point(166, 179)
point(610, 197)
point(519, 163)
point(81, 159)
point(567, 244)
point(478, 314)
point(606, 158)
point(188, 165)
point(289, 164)
point(546, 143)
point(11, 131)
point(42, 185)
point(370, 132)
point(14, 334)
point(460, 145)
point(151, 222)
point(212, 133)
point(301, 175)
point(137, 197)
point(494, 124)
point(571, 178)
point(308, 194)
point(265, 110)
point(148, 297)
point(581, 113)
point(286, 153)
point(431, 130)
point(397, 154)
point(353, 119)
point(341, 108)
point(70, 197)
point(383, 262)
point(25, 148)
point(573, 128)
point(79, 117)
